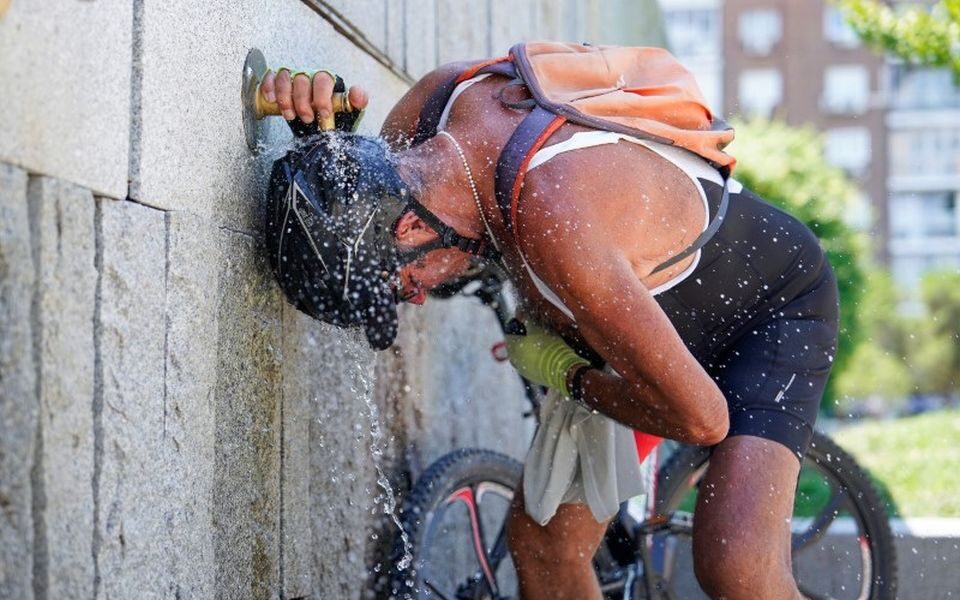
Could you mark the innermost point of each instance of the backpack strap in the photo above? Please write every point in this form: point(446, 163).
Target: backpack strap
point(707, 233)
point(529, 136)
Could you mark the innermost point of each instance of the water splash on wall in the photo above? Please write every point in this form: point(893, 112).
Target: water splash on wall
point(377, 449)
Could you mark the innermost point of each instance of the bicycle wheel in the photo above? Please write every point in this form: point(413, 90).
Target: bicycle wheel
point(842, 544)
point(454, 520)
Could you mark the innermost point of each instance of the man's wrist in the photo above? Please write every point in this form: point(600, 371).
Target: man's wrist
point(575, 380)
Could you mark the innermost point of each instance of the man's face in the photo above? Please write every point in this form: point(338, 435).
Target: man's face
point(430, 271)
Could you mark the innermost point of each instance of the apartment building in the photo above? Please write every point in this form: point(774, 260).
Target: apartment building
point(923, 123)
point(799, 62)
point(695, 36)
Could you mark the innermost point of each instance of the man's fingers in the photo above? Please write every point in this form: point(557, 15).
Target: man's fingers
point(358, 97)
point(267, 89)
point(284, 95)
point(322, 94)
point(301, 98)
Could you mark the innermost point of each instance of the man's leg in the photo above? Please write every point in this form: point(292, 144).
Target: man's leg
point(555, 561)
point(741, 533)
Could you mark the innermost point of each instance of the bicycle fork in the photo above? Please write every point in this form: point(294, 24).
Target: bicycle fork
point(656, 556)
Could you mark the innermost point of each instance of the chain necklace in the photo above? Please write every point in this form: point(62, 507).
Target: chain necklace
point(473, 185)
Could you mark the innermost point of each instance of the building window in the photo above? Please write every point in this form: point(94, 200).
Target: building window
point(920, 88)
point(711, 86)
point(836, 30)
point(760, 91)
point(909, 268)
point(693, 32)
point(907, 272)
point(925, 151)
point(848, 148)
point(760, 30)
point(923, 215)
point(846, 89)
point(859, 215)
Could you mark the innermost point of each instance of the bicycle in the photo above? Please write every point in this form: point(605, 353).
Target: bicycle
point(454, 518)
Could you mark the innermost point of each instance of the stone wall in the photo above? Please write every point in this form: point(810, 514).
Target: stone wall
point(169, 426)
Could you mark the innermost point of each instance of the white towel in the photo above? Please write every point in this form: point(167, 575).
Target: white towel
point(579, 456)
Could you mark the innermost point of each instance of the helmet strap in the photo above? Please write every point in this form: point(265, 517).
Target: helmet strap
point(447, 237)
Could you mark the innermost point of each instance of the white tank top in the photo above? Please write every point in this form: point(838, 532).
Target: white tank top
point(690, 164)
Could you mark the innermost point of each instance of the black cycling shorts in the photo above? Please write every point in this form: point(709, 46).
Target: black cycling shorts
point(774, 375)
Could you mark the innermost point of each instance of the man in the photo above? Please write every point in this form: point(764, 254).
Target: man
point(720, 337)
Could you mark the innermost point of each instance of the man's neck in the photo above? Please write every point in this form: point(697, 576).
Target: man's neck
point(436, 176)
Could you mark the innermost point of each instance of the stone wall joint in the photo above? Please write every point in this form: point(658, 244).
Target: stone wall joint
point(97, 404)
point(39, 499)
point(355, 35)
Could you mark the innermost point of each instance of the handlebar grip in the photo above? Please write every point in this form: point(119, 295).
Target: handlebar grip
point(265, 108)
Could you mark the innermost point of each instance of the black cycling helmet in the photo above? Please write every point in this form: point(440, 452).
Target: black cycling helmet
point(334, 202)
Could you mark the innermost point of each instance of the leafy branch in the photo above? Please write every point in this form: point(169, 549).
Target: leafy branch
point(915, 33)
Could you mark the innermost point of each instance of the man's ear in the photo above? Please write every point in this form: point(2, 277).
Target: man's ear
point(411, 230)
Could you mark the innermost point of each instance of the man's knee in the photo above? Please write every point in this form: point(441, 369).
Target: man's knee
point(554, 544)
point(737, 566)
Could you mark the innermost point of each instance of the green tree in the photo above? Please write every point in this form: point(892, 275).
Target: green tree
point(786, 166)
point(880, 316)
point(916, 34)
point(878, 369)
point(935, 352)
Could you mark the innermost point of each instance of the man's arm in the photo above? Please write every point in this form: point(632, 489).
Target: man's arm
point(662, 390)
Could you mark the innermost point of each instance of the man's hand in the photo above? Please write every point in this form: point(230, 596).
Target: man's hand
point(541, 356)
point(304, 97)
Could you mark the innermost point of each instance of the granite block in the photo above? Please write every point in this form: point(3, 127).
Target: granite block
point(421, 33)
point(70, 114)
point(131, 539)
point(247, 406)
point(62, 220)
point(190, 383)
point(18, 392)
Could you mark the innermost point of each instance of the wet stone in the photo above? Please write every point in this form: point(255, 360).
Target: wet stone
point(192, 295)
point(455, 382)
point(64, 240)
point(18, 402)
point(246, 474)
point(342, 481)
point(132, 537)
point(301, 356)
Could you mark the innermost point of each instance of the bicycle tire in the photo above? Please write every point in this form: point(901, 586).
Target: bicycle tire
point(454, 471)
point(682, 467)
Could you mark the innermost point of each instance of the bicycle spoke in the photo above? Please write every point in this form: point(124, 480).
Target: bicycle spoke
point(820, 524)
point(499, 549)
